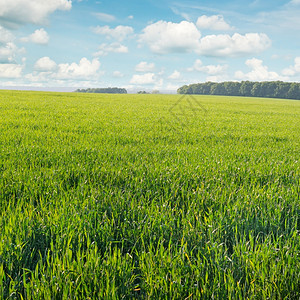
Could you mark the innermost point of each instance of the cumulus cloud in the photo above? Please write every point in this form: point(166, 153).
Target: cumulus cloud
point(229, 46)
point(16, 12)
point(40, 36)
point(85, 69)
point(8, 52)
point(143, 66)
point(208, 69)
point(119, 33)
point(5, 36)
point(258, 72)
point(104, 49)
point(215, 22)
point(293, 70)
point(47, 71)
point(148, 78)
point(45, 64)
point(105, 17)
point(166, 37)
point(10, 70)
point(8, 49)
point(175, 75)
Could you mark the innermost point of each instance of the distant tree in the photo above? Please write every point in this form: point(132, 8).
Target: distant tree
point(186, 89)
point(182, 90)
point(232, 88)
point(155, 92)
point(245, 88)
point(142, 92)
point(257, 90)
point(113, 90)
point(282, 89)
point(198, 89)
point(294, 91)
point(207, 87)
point(218, 89)
point(194, 89)
point(270, 89)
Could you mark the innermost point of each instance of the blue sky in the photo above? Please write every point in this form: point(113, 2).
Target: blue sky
point(146, 45)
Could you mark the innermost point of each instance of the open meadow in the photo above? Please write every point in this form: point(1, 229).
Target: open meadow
point(148, 197)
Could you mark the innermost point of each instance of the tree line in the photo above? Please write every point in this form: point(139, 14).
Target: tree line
point(110, 90)
point(267, 89)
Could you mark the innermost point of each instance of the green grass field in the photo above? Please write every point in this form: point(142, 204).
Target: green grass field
point(148, 197)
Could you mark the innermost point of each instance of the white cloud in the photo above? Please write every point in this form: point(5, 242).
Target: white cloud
point(175, 75)
point(293, 70)
point(48, 72)
point(229, 46)
point(166, 37)
point(8, 49)
point(215, 22)
point(16, 12)
point(131, 17)
point(119, 33)
point(5, 36)
point(10, 71)
point(118, 74)
point(105, 17)
point(84, 70)
point(148, 78)
point(104, 49)
point(259, 72)
point(8, 52)
point(208, 69)
point(143, 66)
point(40, 36)
point(45, 64)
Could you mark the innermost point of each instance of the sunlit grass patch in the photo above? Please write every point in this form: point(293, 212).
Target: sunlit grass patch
point(142, 196)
